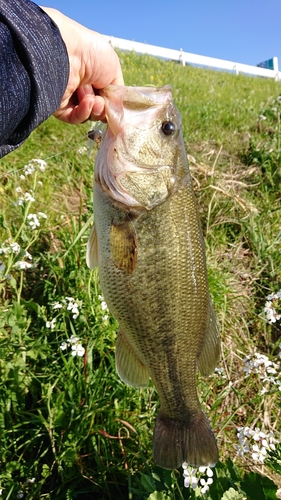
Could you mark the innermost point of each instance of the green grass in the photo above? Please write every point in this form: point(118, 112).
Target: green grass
point(69, 428)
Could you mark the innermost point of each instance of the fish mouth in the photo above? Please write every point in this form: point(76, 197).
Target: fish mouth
point(120, 100)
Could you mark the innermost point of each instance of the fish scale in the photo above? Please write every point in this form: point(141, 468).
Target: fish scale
point(150, 253)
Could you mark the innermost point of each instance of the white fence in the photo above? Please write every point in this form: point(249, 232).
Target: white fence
point(187, 57)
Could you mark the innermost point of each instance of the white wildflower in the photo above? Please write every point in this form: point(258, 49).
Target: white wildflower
point(243, 434)
point(18, 189)
point(51, 324)
point(103, 303)
point(75, 313)
point(262, 443)
point(261, 364)
point(269, 309)
point(33, 165)
point(220, 371)
point(42, 215)
point(28, 255)
point(258, 454)
point(76, 347)
point(9, 247)
point(33, 221)
point(15, 247)
point(262, 117)
point(29, 169)
point(22, 265)
point(242, 448)
point(57, 305)
point(28, 197)
point(77, 350)
point(22, 177)
point(192, 477)
point(205, 484)
point(63, 346)
point(73, 306)
point(206, 470)
point(190, 480)
point(258, 435)
point(42, 164)
point(73, 339)
point(2, 267)
point(247, 431)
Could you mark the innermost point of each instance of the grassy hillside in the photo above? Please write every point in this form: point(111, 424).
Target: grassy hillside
point(69, 428)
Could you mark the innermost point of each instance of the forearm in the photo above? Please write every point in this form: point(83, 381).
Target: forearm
point(34, 70)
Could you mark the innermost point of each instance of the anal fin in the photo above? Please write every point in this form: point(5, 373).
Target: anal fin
point(210, 354)
point(128, 366)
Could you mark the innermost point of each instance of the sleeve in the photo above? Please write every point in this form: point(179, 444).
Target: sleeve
point(34, 70)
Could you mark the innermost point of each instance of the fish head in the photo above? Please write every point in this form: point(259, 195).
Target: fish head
point(140, 160)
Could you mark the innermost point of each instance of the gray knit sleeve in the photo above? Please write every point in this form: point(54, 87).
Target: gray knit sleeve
point(34, 70)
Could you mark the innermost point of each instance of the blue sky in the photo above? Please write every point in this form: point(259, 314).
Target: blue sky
point(245, 31)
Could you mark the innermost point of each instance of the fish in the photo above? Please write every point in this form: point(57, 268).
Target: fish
point(148, 245)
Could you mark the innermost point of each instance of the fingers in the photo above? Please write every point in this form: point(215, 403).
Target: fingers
point(88, 107)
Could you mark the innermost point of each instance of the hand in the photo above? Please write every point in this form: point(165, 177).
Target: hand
point(93, 66)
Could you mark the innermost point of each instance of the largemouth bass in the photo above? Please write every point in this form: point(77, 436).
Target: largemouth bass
point(148, 245)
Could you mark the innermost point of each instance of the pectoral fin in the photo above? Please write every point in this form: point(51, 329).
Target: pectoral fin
point(210, 353)
point(92, 249)
point(128, 366)
point(123, 246)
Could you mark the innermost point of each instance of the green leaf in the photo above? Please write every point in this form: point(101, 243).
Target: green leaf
point(69, 455)
point(258, 487)
point(273, 459)
point(3, 223)
point(45, 470)
point(13, 282)
point(147, 483)
point(159, 495)
point(232, 494)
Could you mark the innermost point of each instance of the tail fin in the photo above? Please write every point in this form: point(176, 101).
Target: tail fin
point(191, 441)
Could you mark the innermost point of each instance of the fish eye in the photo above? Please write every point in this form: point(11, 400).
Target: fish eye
point(168, 127)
